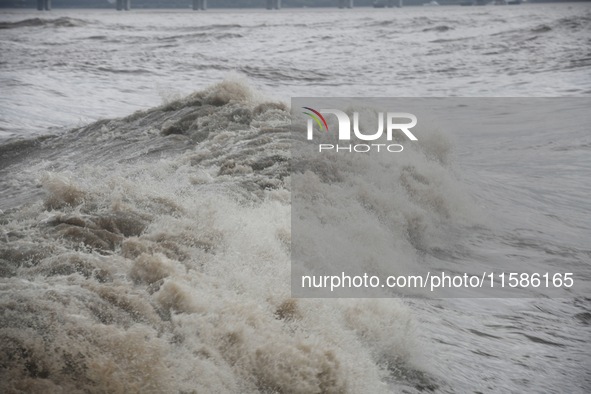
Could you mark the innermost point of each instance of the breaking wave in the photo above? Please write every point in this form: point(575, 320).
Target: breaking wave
point(158, 259)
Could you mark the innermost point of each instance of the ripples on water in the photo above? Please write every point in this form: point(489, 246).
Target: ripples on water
point(115, 63)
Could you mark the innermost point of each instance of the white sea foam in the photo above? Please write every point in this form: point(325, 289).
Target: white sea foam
point(172, 274)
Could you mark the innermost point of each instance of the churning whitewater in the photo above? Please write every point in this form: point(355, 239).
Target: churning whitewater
point(158, 261)
point(150, 253)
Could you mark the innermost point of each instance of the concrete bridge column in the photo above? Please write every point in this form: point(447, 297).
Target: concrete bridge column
point(199, 5)
point(44, 5)
point(345, 3)
point(273, 4)
point(123, 5)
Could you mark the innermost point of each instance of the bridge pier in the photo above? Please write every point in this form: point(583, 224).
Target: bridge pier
point(199, 5)
point(44, 5)
point(345, 3)
point(123, 5)
point(273, 4)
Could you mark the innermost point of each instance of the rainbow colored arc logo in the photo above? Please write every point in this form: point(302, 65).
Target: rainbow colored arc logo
point(317, 116)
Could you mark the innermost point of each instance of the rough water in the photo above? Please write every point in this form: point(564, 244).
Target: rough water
point(150, 251)
point(116, 63)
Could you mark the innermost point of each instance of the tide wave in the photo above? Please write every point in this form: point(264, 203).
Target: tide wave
point(159, 260)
